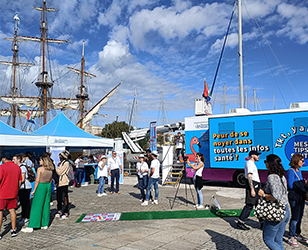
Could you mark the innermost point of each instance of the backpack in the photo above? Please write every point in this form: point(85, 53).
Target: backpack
point(70, 173)
point(31, 174)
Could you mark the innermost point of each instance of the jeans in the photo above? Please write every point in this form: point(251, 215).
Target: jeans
point(142, 185)
point(297, 211)
point(152, 181)
point(199, 194)
point(62, 199)
point(245, 212)
point(101, 184)
point(115, 173)
point(178, 151)
point(273, 232)
point(78, 175)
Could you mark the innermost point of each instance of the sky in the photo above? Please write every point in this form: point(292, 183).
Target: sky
point(164, 50)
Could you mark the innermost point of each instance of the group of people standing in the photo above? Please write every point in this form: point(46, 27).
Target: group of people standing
point(111, 167)
point(14, 182)
point(290, 191)
point(148, 176)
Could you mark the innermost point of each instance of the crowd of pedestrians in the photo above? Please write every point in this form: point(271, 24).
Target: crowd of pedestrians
point(14, 183)
point(15, 173)
point(290, 191)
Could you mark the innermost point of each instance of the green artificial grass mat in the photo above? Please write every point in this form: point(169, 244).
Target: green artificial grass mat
point(182, 214)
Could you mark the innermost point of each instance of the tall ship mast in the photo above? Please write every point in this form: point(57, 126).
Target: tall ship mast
point(15, 64)
point(82, 96)
point(43, 103)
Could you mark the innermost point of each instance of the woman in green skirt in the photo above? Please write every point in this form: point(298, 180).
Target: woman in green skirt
point(40, 209)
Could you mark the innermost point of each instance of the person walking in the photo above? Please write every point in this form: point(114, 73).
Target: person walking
point(114, 168)
point(275, 189)
point(40, 209)
point(297, 190)
point(24, 190)
point(153, 180)
point(62, 189)
point(102, 174)
point(252, 188)
point(198, 182)
point(10, 181)
point(142, 170)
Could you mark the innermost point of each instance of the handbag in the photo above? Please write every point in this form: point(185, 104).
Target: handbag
point(306, 194)
point(270, 210)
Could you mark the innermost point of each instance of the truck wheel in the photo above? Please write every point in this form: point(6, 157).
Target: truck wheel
point(239, 179)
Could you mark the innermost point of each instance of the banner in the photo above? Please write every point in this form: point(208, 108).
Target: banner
point(153, 137)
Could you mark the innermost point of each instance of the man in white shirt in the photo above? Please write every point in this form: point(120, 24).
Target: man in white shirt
point(102, 174)
point(252, 188)
point(114, 167)
point(153, 180)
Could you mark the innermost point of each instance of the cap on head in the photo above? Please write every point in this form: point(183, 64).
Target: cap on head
point(7, 156)
point(141, 156)
point(155, 153)
point(254, 152)
point(103, 157)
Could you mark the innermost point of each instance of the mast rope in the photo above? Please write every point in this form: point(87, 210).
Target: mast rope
point(222, 51)
point(277, 60)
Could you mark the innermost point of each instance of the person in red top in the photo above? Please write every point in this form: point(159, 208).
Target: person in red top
point(10, 181)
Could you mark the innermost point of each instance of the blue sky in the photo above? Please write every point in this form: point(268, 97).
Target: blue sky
point(168, 47)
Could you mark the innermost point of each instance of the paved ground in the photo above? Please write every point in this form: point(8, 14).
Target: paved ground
point(204, 233)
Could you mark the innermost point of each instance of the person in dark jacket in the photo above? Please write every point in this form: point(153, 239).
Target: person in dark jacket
point(297, 190)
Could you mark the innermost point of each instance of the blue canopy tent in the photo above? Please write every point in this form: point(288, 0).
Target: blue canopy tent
point(61, 132)
point(13, 137)
point(15, 141)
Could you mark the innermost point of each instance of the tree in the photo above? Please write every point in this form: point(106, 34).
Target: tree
point(144, 143)
point(115, 129)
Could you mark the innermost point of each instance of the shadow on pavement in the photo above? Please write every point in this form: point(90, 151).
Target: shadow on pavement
point(135, 195)
point(225, 242)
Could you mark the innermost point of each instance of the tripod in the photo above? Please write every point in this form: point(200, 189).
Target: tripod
point(185, 178)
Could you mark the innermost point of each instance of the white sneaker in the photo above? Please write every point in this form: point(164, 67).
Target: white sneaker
point(199, 206)
point(155, 202)
point(27, 230)
point(44, 228)
point(145, 203)
point(100, 195)
point(104, 194)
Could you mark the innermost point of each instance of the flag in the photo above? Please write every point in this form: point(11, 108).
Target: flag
point(29, 117)
point(206, 92)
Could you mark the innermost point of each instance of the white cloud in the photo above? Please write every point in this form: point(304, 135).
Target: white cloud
point(114, 54)
point(297, 22)
point(169, 23)
point(110, 16)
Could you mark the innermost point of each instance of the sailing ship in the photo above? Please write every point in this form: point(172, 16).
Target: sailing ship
point(42, 104)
